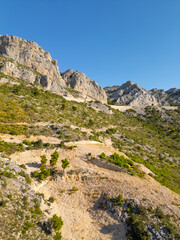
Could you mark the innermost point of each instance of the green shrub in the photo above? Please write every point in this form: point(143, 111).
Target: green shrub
point(65, 163)
point(10, 196)
point(54, 158)
point(43, 159)
point(72, 147)
point(51, 199)
point(102, 155)
point(74, 108)
point(26, 176)
point(23, 166)
point(58, 236)
point(3, 203)
point(91, 122)
point(111, 131)
point(138, 229)
point(62, 145)
point(7, 174)
point(57, 222)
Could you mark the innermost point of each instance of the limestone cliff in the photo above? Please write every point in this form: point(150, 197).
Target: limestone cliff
point(28, 61)
point(79, 81)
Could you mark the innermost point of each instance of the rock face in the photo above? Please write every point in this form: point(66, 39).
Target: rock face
point(174, 95)
point(28, 61)
point(79, 81)
point(134, 95)
point(165, 97)
point(131, 94)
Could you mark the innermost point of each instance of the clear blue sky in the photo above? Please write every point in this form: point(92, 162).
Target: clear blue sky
point(111, 41)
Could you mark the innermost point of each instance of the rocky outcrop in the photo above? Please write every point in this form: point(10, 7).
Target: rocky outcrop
point(100, 107)
point(11, 69)
point(134, 95)
point(28, 61)
point(171, 96)
point(131, 94)
point(174, 95)
point(79, 81)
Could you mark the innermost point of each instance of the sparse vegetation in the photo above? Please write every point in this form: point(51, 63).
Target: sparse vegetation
point(65, 163)
point(151, 141)
point(141, 220)
point(54, 158)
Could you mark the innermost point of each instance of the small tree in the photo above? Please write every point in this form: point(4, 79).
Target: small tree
point(43, 159)
point(62, 145)
point(103, 155)
point(57, 222)
point(58, 236)
point(54, 158)
point(65, 163)
point(91, 122)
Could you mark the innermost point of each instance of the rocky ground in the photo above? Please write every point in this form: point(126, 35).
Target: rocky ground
point(78, 190)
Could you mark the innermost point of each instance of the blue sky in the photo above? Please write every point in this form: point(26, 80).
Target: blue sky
point(111, 41)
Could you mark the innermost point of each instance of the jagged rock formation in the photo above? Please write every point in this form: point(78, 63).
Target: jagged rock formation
point(28, 61)
point(131, 94)
point(165, 97)
point(79, 81)
point(134, 95)
point(160, 95)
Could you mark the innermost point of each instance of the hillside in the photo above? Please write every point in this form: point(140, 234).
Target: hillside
point(122, 175)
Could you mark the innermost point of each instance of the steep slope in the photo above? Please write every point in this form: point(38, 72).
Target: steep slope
point(86, 194)
point(21, 216)
point(122, 181)
point(79, 81)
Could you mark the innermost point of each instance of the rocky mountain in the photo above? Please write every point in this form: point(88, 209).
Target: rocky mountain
point(79, 81)
point(75, 168)
point(26, 60)
point(134, 95)
point(131, 94)
point(165, 97)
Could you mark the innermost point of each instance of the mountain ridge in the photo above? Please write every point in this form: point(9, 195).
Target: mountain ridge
point(28, 61)
point(122, 176)
point(132, 94)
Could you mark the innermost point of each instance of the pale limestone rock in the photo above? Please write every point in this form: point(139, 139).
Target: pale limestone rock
point(11, 69)
point(29, 54)
point(131, 94)
point(79, 81)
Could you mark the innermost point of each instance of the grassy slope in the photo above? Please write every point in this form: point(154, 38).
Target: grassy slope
point(153, 142)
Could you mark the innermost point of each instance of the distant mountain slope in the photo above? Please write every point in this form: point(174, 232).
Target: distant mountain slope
point(134, 95)
point(131, 94)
